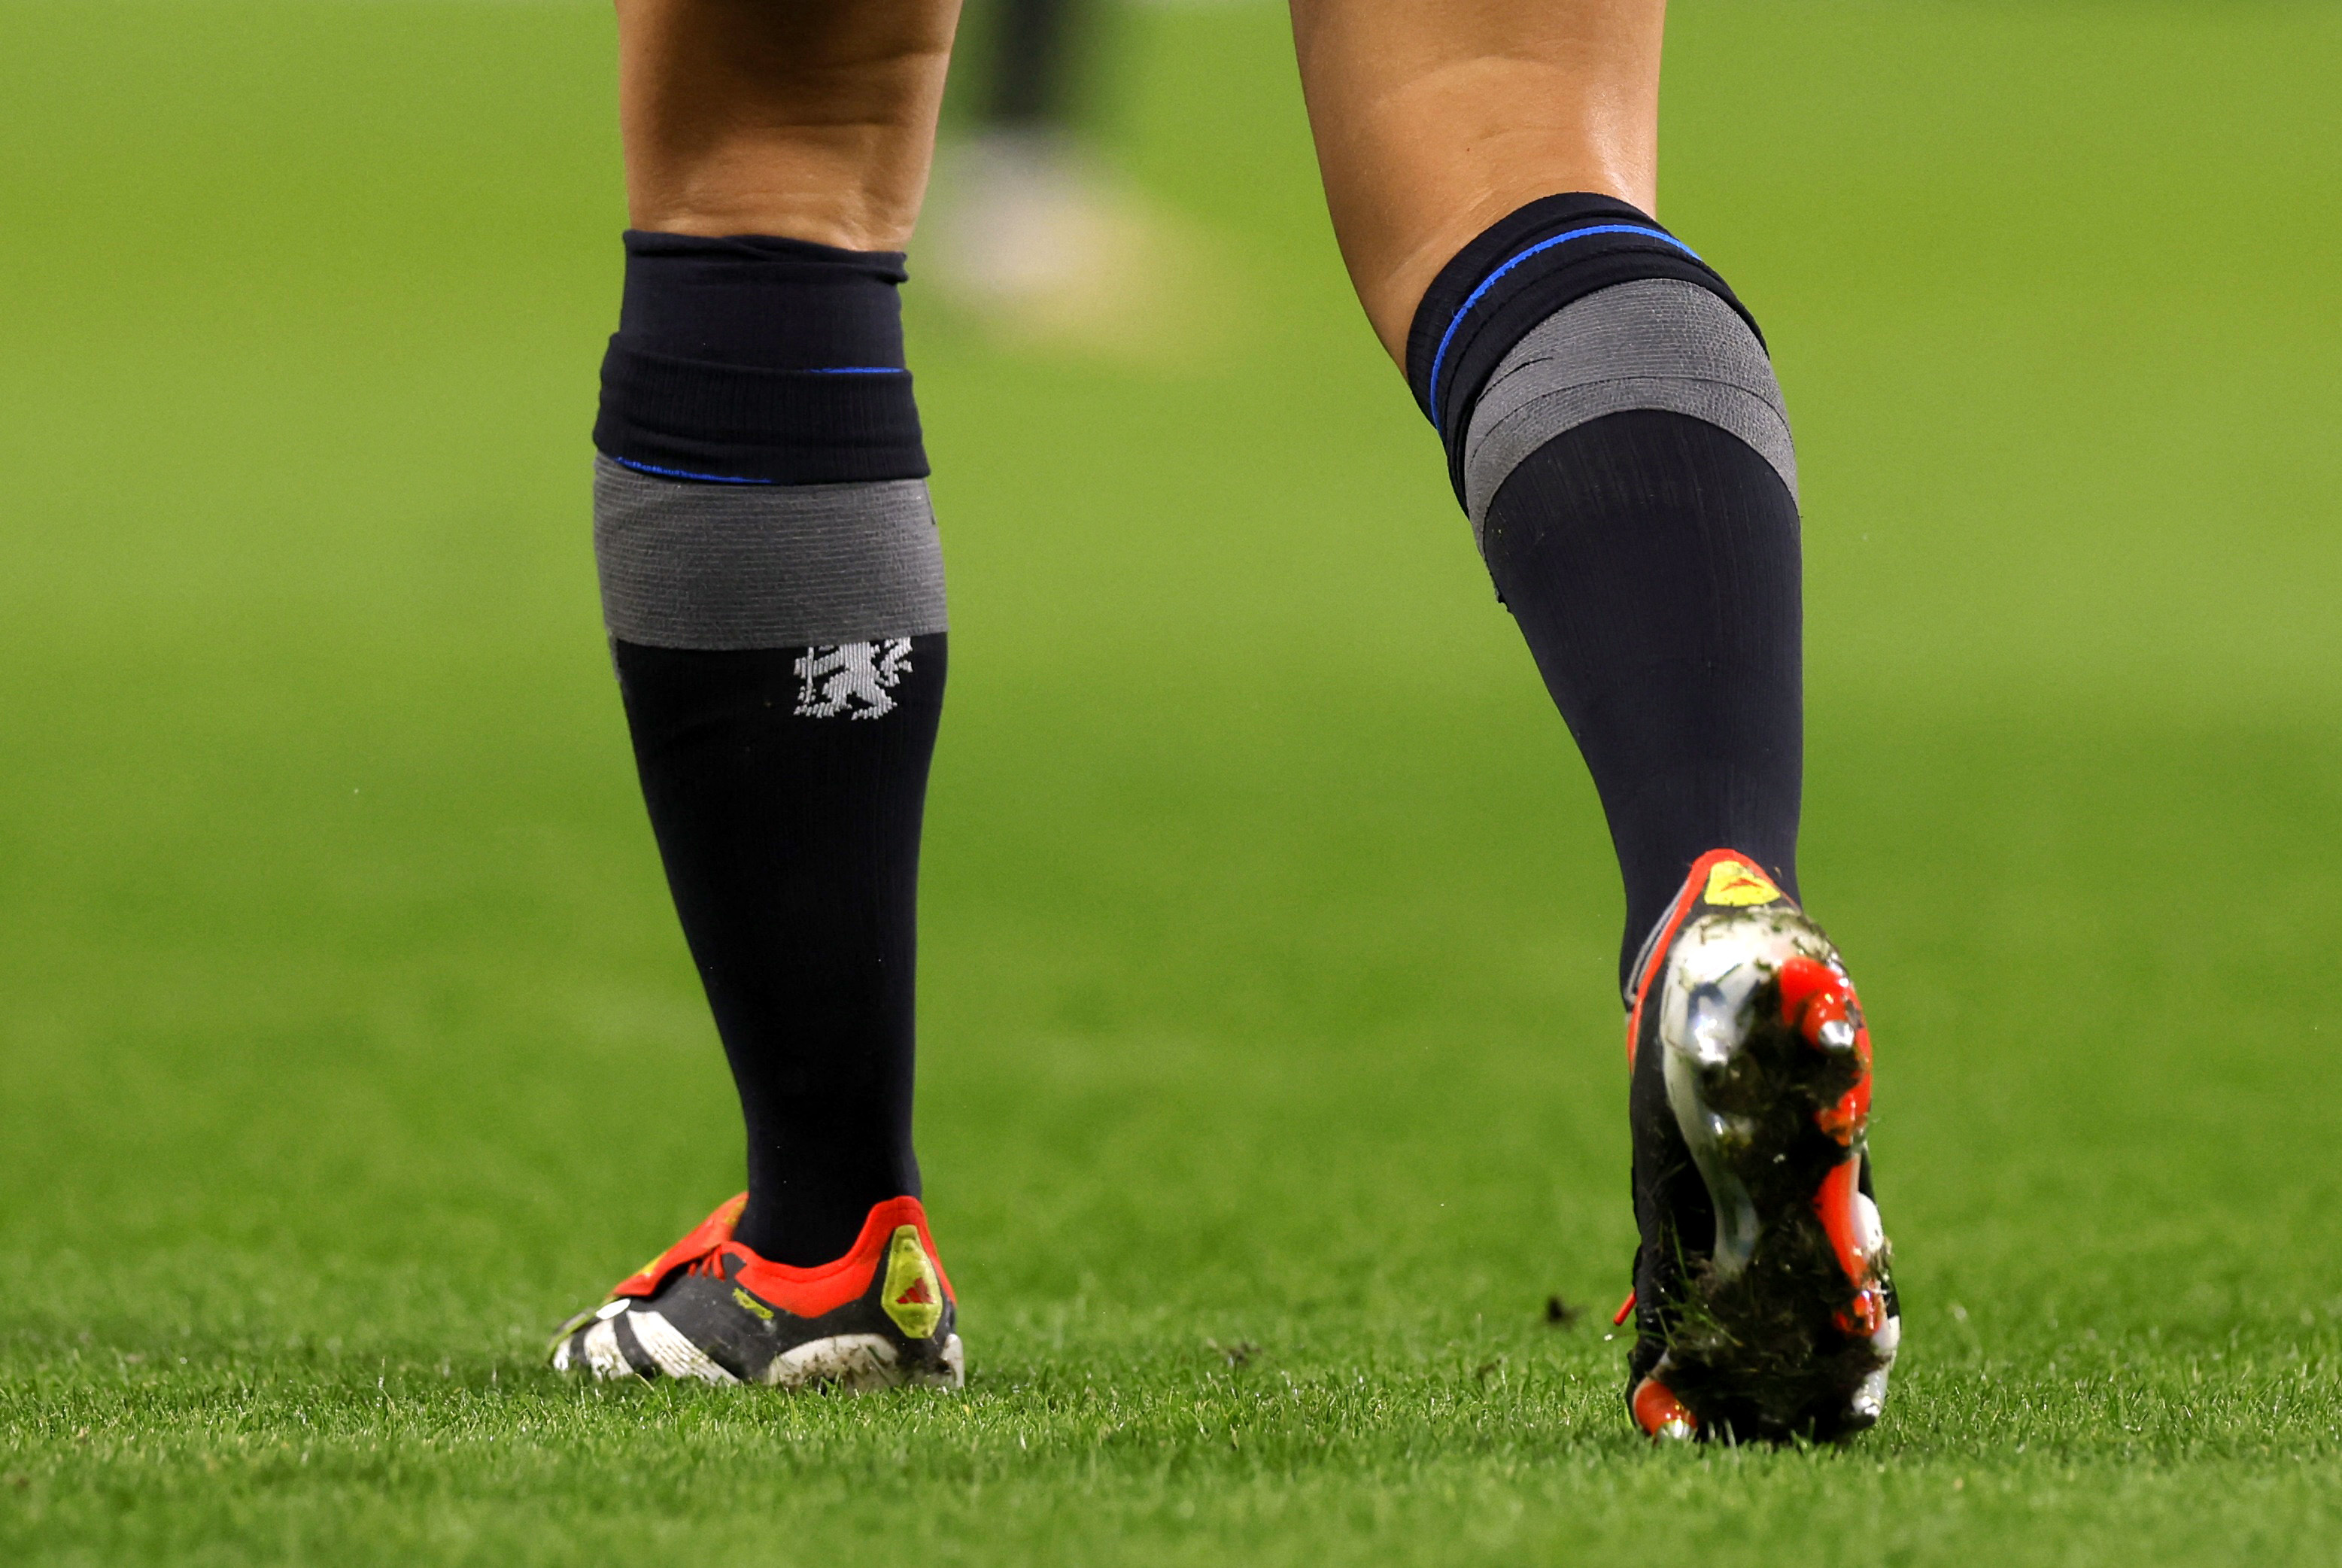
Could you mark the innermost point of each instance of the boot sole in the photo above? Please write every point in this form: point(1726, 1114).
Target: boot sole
point(1786, 1329)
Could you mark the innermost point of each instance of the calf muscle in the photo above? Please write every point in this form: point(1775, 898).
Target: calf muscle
point(1433, 120)
point(807, 119)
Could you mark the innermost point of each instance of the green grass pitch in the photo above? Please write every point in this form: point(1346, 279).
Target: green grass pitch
point(1272, 1073)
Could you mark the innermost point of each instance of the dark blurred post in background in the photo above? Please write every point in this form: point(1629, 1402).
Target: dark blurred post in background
point(1028, 229)
point(1032, 64)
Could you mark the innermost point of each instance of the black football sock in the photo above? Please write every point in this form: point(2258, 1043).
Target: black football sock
point(773, 587)
point(1615, 432)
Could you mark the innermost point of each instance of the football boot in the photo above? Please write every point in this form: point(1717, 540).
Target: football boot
point(1762, 1303)
point(709, 1308)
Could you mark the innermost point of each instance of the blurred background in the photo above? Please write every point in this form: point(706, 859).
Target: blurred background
point(1269, 922)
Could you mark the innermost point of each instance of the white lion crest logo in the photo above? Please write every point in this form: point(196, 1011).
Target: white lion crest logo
point(851, 678)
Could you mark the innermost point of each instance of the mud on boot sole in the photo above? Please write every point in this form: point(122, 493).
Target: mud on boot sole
point(1786, 1328)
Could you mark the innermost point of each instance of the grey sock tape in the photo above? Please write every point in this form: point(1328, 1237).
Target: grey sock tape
point(691, 565)
point(1656, 344)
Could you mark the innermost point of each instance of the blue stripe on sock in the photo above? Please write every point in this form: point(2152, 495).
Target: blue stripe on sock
point(734, 479)
point(681, 472)
point(1440, 354)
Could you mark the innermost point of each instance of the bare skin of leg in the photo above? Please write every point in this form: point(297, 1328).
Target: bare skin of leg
point(807, 119)
point(1434, 118)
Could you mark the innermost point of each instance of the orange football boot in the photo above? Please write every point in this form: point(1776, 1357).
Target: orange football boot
point(1763, 1305)
point(708, 1308)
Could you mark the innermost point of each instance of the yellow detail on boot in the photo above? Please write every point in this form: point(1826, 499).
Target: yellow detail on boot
point(912, 1296)
point(1739, 884)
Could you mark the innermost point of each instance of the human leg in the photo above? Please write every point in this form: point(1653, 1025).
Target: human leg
point(1611, 419)
point(1615, 432)
point(1434, 120)
point(772, 585)
point(806, 119)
